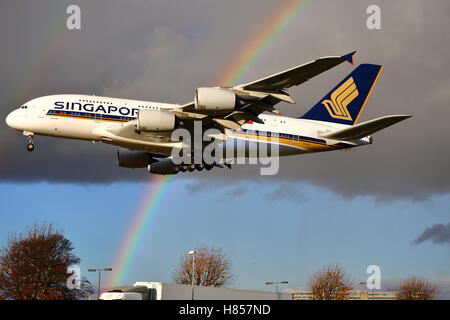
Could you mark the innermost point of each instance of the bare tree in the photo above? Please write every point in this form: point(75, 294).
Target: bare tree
point(331, 283)
point(414, 288)
point(212, 268)
point(33, 265)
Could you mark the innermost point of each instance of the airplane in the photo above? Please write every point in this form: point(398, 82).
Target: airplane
point(246, 112)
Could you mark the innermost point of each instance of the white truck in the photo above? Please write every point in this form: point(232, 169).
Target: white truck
point(169, 291)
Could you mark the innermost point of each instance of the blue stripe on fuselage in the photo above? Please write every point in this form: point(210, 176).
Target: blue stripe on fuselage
point(120, 118)
point(89, 115)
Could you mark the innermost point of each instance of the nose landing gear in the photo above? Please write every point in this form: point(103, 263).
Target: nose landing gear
point(30, 144)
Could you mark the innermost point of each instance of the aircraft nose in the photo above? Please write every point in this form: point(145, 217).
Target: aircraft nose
point(11, 119)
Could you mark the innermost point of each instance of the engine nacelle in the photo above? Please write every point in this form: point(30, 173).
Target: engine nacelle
point(155, 121)
point(164, 167)
point(133, 159)
point(214, 99)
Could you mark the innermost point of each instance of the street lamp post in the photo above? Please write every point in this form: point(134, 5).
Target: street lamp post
point(192, 253)
point(365, 283)
point(99, 277)
point(276, 284)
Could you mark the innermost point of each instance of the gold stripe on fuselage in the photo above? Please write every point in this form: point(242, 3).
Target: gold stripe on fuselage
point(313, 146)
point(309, 145)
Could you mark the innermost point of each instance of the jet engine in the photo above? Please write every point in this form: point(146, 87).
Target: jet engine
point(155, 121)
point(133, 159)
point(214, 99)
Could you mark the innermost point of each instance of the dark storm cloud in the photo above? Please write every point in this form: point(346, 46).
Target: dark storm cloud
point(286, 192)
point(438, 233)
point(162, 50)
point(235, 192)
point(197, 186)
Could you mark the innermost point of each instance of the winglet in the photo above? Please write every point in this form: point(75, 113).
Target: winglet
point(349, 57)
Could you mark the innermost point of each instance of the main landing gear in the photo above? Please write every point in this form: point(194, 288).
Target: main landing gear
point(200, 167)
point(30, 144)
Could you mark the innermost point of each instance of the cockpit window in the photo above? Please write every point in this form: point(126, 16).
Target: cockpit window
point(23, 107)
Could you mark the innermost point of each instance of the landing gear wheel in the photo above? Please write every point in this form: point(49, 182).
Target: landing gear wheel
point(30, 145)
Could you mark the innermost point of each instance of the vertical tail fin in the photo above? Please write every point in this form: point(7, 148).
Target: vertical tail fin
point(346, 101)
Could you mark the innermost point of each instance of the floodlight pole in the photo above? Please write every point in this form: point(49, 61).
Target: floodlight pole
point(192, 252)
point(99, 270)
point(366, 283)
point(276, 284)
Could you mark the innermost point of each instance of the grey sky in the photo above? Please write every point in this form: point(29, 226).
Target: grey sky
point(162, 50)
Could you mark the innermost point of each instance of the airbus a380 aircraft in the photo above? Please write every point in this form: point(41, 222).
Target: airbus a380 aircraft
point(243, 112)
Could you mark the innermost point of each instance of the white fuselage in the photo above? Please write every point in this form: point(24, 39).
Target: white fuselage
point(83, 117)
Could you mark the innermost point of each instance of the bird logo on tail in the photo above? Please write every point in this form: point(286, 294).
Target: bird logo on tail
point(340, 99)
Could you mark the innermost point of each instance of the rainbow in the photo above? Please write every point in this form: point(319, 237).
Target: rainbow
point(140, 221)
point(255, 47)
point(159, 184)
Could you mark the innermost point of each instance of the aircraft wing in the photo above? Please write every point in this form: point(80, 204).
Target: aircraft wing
point(297, 75)
point(125, 135)
point(263, 94)
point(366, 128)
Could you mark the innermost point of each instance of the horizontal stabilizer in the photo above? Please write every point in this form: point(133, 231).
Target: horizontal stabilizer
point(366, 128)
